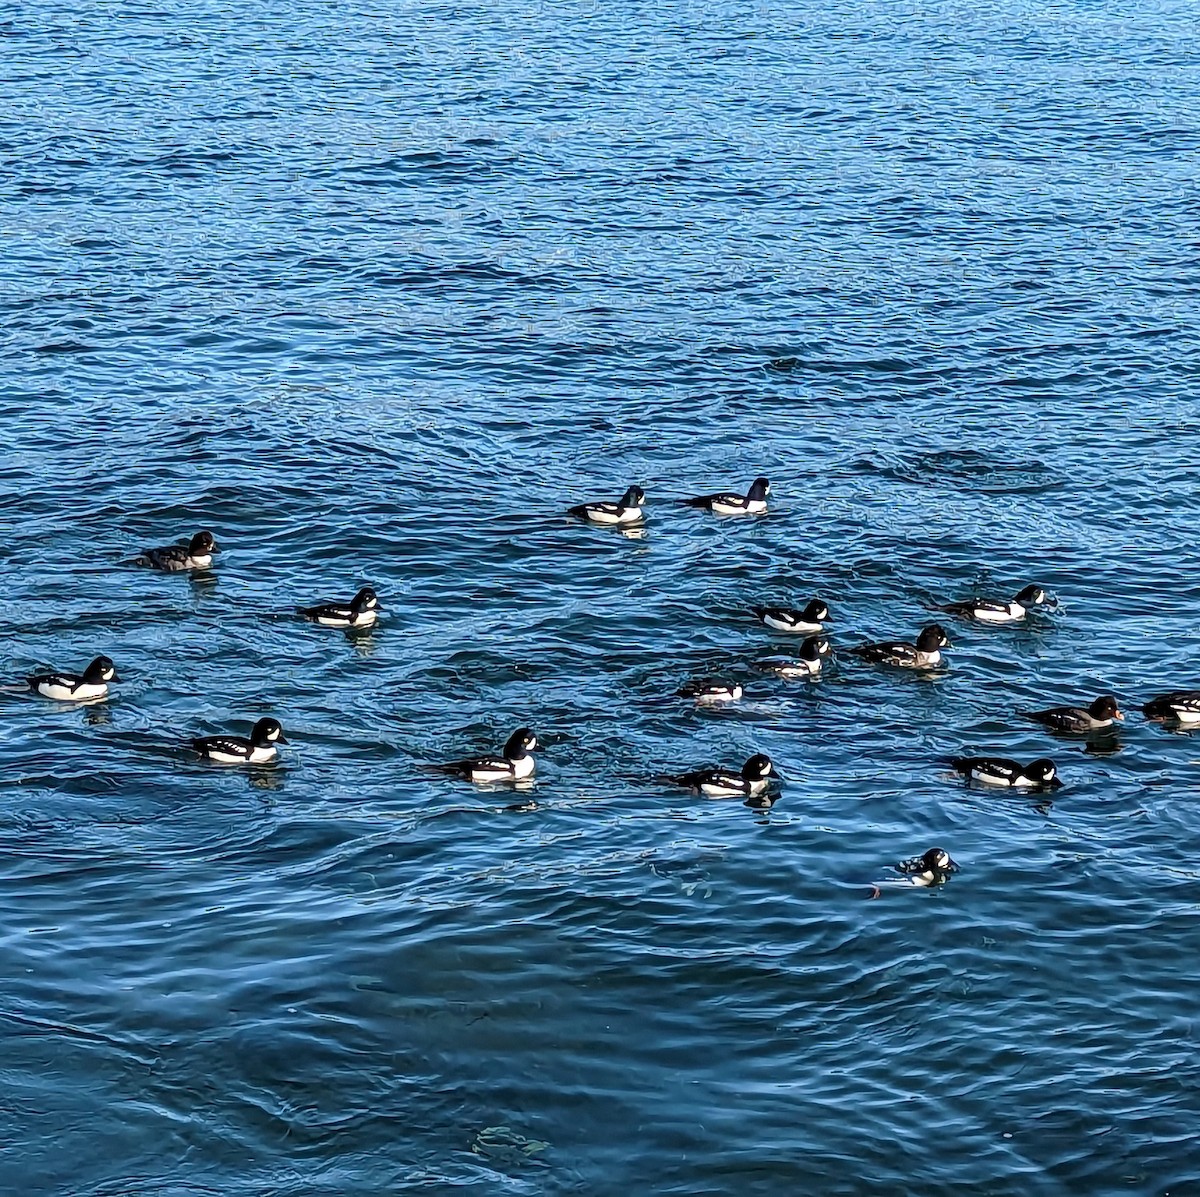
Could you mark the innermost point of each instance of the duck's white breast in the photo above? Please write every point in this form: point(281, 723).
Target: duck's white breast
point(603, 515)
point(731, 508)
point(80, 693)
point(991, 779)
point(224, 758)
point(1008, 615)
point(720, 789)
point(799, 669)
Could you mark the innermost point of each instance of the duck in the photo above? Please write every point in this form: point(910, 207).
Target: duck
point(987, 610)
point(237, 750)
point(999, 771)
point(1095, 717)
point(709, 690)
point(91, 684)
point(932, 867)
point(925, 654)
point(1180, 706)
point(626, 510)
point(807, 620)
point(814, 651)
point(360, 612)
point(515, 763)
point(750, 782)
point(196, 554)
point(753, 502)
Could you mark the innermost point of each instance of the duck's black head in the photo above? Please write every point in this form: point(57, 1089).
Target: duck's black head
point(1105, 707)
point(816, 611)
point(100, 670)
point(1162, 708)
point(758, 767)
point(201, 544)
point(365, 600)
point(519, 743)
point(1042, 771)
point(938, 860)
point(1032, 596)
point(267, 731)
point(932, 638)
point(814, 648)
point(759, 489)
point(633, 497)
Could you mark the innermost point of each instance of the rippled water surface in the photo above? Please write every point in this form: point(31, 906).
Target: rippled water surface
point(376, 293)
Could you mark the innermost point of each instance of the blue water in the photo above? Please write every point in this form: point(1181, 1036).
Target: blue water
point(376, 293)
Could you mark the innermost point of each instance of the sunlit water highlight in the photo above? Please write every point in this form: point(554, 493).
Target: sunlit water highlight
point(375, 294)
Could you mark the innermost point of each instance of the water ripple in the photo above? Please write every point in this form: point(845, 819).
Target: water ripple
point(378, 299)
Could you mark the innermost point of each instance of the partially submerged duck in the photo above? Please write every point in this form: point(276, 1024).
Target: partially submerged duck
point(1041, 774)
point(1097, 716)
point(990, 610)
point(87, 686)
point(360, 612)
point(814, 652)
point(807, 620)
point(240, 750)
point(748, 782)
point(196, 554)
point(753, 502)
point(626, 510)
point(515, 762)
point(709, 690)
point(932, 867)
point(926, 653)
point(1179, 706)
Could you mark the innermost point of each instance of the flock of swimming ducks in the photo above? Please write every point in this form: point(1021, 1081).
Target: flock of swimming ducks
point(515, 761)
